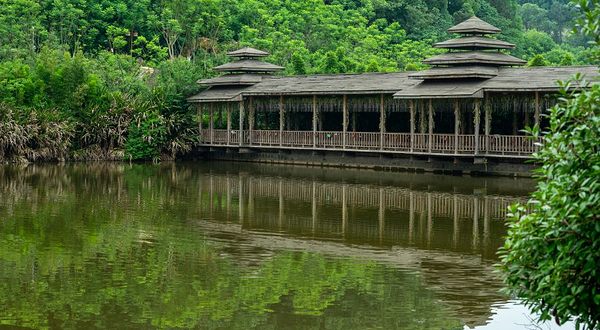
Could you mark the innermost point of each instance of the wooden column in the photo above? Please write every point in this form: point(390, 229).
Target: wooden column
point(456, 125)
point(211, 122)
point(536, 115)
point(314, 121)
point(488, 118)
point(381, 121)
point(477, 120)
point(412, 125)
point(354, 121)
point(281, 120)
point(241, 128)
point(430, 122)
point(422, 117)
point(228, 123)
point(344, 120)
point(251, 120)
point(200, 120)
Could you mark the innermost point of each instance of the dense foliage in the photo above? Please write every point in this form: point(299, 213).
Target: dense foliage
point(552, 254)
point(95, 70)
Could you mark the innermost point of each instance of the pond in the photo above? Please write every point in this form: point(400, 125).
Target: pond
point(251, 246)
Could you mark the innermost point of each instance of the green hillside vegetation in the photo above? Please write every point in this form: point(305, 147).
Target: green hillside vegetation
point(108, 79)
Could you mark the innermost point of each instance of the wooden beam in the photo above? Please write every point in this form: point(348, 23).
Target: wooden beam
point(228, 123)
point(381, 121)
point(412, 125)
point(314, 111)
point(456, 125)
point(430, 121)
point(477, 121)
point(281, 120)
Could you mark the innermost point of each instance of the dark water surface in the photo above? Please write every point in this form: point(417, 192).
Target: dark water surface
point(244, 246)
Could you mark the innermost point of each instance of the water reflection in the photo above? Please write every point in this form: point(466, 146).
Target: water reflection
point(231, 246)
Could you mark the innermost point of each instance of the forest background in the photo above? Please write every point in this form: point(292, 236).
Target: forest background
point(108, 79)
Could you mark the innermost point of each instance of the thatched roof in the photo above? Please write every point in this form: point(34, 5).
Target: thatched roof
point(474, 57)
point(219, 94)
point(508, 80)
point(474, 25)
point(248, 52)
point(248, 66)
point(474, 43)
point(471, 71)
point(361, 83)
point(233, 79)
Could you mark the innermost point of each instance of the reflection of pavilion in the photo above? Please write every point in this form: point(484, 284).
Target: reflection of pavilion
point(448, 238)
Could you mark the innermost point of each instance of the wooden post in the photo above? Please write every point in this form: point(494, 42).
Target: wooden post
point(241, 128)
point(281, 120)
point(251, 120)
point(430, 120)
point(536, 117)
point(488, 117)
point(456, 125)
point(354, 121)
point(211, 122)
point(422, 117)
point(314, 110)
point(477, 120)
point(344, 120)
point(381, 121)
point(200, 120)
point(412, 125)
point(228, 123)
point(515, 130)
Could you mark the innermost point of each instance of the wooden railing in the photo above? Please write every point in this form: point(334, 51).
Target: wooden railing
point(401, 142)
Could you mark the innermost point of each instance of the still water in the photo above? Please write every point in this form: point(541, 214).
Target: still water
point(245, 246)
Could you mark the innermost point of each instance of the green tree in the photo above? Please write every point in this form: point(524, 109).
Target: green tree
point(537, 60)
point(551, 257)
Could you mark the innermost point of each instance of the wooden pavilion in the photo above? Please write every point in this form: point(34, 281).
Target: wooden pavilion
point(432, 115)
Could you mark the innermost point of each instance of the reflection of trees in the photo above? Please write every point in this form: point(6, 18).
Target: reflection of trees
point(118, 246)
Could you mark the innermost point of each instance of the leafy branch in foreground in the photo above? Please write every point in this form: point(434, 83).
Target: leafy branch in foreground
point(551, 257)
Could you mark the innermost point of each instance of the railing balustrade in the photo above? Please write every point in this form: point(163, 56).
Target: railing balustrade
point(509, 145)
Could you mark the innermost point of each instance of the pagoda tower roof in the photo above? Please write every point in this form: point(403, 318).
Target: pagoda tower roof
point(474, 25)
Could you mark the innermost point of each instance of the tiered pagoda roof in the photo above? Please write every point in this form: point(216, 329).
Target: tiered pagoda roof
point(246, 70)
point(472, 55)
